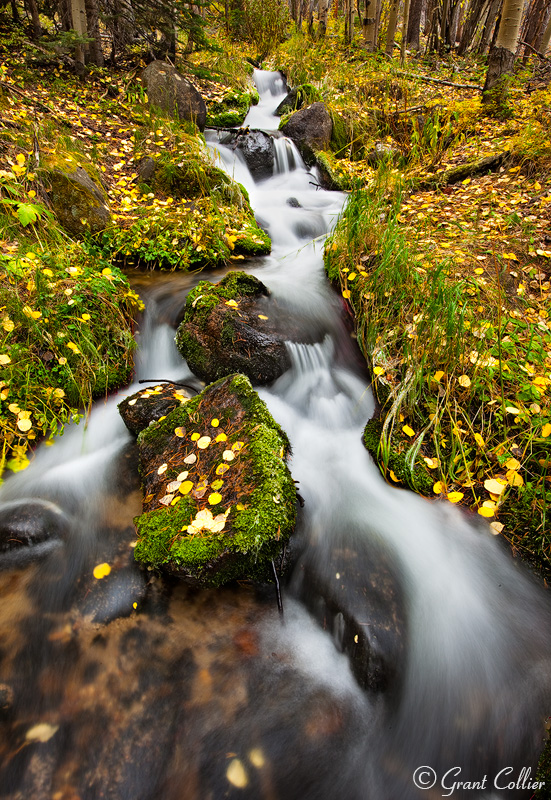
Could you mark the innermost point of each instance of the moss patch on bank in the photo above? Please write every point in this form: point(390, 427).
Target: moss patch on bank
point(219, 501)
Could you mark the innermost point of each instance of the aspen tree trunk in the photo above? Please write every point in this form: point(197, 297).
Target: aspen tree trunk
point(546, 38)
point(405, 20)
point(391, 28)
point(489, 25)
point(502, 56)
point(78, 16)
point(323, 13)
point(369, 25)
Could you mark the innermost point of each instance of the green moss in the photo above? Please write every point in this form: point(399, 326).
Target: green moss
point(301, 96)
point(416, 478)
point(259, 522)
point(253, 241)
point(231, 110)
point(332, 177)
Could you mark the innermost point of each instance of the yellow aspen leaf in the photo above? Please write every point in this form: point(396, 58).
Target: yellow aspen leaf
point(217, 484)
point(438, 487)
point(240, 507)
point(479, 271)
point(101, 571)
point(262, 316)
point(512, 463)
point(106, 272)
point(221, 437)
point(179, 432)
point(464, 381)
point(4, 359)
point(513, 478)
point(509, 256)
point(173, 486)
point(496, 527)
point(495, 485)
point(512, 410)
point(237, 446)
point(8, 325)
point(378, 370)
point(24, 425)
point(41, 732)
point(228, 455)
point(175, 500)
point(438, 376)
point(236, 774)
point(486, 512)
point(393, 476)
point(221, 469)
point(231, 303)
point(479, 440)
point(195, 436)
point(191, 459)
point(166, 500)
point(215, 498)
point(14, 408)
point(203, 442)
point(186, 487)
point(352, 276)
point(182, 476)
point(408, 431)
point(455, 497)
point(346, 294)
point(215, 422)
point(545, 431)
point(431, 463)
point(162, 469)
point(537, 186)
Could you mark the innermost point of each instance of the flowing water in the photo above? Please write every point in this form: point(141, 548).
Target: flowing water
point(414, 651)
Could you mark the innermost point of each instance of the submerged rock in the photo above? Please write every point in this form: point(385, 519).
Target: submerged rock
point(219, 501)
point(29, 530)
point(257, 148)
point(174, 94)
point(236, 326)
point(152, 403)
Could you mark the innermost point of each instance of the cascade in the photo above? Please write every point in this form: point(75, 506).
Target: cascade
point(414, 652)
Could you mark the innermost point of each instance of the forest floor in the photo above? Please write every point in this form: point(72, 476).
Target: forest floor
point(448, 276)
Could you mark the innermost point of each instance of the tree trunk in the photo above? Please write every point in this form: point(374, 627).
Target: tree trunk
point(92, 22)
point(444, 24)
point(414, 23)
point(78, 17)
point(64, 11)
point(472, 20)
point(502, 56)
point(391, 28)
point(454, 24)
point(405, 21)
point(323, 13)
point(489, 24)
point(369, 25)
point(35, 19)
point(546, 38)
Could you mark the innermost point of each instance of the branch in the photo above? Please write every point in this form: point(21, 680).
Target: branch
point(456, 174)
point(537, 52)
point(472, 86)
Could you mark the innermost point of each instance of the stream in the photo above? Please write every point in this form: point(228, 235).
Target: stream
point(414, 655)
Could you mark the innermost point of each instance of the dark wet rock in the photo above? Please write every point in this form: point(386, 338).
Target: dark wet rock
point(29, 530)
point(219, 500)
point(236, 326)
point(117, 595)
point(257, 148)
point(297, 98)
point(310, 129)
point(293, 202)
point(151, 403)
point(146, 169)
point(174, 94)
point(77, 201)
point(355, 591)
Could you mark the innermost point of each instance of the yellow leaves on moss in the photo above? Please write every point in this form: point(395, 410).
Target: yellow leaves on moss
point(495, 485)
point(545, 431)
point(4, 359)
point(203, 442)
point(186, 487)
point(215, 498)
point(455, 497)
point(408, 431)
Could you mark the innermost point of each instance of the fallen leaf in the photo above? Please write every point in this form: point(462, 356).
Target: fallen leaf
point(101, 571)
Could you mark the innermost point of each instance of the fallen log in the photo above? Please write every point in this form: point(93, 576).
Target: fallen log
point(463, 171)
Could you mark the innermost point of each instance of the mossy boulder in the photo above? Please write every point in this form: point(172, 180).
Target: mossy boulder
point(151, 404)
point(77, 201)
point(219, 501)
point(231, 110)
point(310, 128)
point(172, 93)
point(297, 98)
point(236, 326)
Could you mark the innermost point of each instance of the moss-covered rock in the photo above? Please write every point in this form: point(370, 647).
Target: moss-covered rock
point(151, 404)
point(219, 501)
point(170, 92)
point(78, 202)
point(310, 128)
point(297, 98)
point(231, 110)
point(236, 326)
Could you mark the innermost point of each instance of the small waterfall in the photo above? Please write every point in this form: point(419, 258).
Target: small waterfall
point(286, 156)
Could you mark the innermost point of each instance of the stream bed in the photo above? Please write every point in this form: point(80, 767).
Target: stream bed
point(414, 655)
